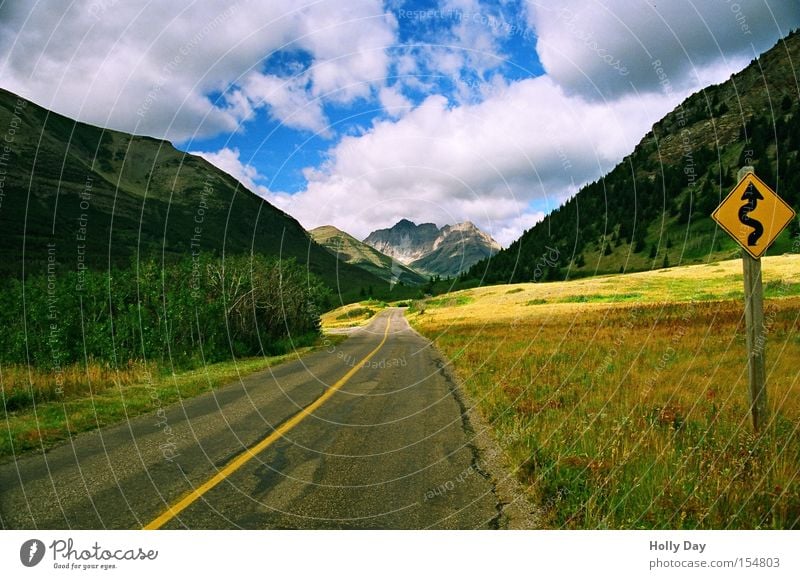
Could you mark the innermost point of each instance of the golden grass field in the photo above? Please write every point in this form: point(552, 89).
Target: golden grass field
point(621, 401)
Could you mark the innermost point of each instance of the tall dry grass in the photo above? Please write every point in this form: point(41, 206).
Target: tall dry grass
point(22, 386)
point(633, 415)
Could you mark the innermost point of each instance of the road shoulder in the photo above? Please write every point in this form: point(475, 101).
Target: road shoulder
point(516, 509)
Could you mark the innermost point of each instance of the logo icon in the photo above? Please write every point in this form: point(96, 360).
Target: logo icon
point(32, 552)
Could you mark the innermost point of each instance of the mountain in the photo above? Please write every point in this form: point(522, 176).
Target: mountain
point(433, 251)
point(405, 241)
point(653, 209)
point(74, 195)
point(350, 250)
point(456, 249)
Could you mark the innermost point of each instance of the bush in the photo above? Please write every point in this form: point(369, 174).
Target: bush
point(198, 309)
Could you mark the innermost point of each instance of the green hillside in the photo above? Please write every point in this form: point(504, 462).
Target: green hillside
point(653, 209)
point(79, 196)
point(350, 250)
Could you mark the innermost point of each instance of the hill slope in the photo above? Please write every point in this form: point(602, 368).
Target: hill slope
point(653, 209)
point(80, 196)
point(350, 250)
point(445, 251)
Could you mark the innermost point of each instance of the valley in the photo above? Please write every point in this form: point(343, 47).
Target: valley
point(342, 280)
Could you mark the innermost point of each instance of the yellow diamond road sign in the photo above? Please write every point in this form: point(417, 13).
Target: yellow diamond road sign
point(753, 215)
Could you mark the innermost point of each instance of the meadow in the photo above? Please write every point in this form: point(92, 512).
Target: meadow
point(98, 395)
point(621, 401)
point(85, 349)
point(352, 315)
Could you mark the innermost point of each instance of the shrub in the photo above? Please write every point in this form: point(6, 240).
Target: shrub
point(201, 308)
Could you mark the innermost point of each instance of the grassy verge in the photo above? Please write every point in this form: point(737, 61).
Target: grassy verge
point(633, 412)
point(352, 315)
point(96, 396)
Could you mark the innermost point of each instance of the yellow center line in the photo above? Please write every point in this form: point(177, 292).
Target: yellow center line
point(251, 452)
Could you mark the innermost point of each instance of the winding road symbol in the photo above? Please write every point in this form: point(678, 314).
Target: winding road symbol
point(753, 215)
point(752, 196)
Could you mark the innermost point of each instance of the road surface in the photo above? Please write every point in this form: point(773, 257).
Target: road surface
point(328, 441)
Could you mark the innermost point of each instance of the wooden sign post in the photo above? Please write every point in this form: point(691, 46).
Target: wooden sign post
point(754, 215)
point(755, 338)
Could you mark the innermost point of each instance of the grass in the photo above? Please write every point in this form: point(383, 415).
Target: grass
point(352, 315)
point(98, 395)
point(356, 313)
point(633, 413)
point(450, 300)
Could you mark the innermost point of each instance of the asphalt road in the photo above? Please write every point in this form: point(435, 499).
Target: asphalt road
point(390, 449)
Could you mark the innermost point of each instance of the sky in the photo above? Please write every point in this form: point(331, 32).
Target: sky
point(360, 113)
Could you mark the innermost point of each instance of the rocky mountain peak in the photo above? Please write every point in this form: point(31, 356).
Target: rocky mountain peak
point(444, 251)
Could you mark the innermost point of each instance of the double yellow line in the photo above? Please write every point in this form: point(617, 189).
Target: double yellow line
point(245, 457)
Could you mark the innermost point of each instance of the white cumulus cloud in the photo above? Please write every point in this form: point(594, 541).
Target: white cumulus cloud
point(495, 150)
point(531, 143)
point(486, 162)
point(155, 68)
point(605, 48)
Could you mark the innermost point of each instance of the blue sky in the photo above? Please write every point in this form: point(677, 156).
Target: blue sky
point(361, 113)
point(280, 153)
